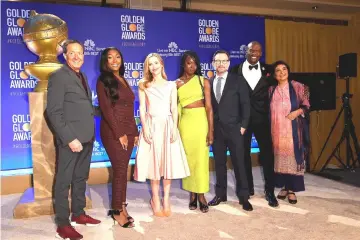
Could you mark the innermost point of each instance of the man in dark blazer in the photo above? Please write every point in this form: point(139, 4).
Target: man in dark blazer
point(71, 115)
point(231, 106)
point(255, 74)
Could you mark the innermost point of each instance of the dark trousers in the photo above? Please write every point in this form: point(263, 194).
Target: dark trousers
point(262, 134)
point(226, 137)
point(72, 170)
point(119, 159)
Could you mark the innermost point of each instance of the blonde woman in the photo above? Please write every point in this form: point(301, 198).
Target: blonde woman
point(160, 152)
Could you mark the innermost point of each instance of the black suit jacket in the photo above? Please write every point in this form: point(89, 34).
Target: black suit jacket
point(233, 110)
point(259, 97)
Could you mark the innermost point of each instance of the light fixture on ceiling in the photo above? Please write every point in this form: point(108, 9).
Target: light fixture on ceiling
point(315, 7)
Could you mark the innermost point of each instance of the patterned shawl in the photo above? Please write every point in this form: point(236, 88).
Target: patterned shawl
point(299, 97)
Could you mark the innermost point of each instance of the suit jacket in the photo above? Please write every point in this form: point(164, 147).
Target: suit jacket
point(233, 110)
point(69, 108)
point(118, 118)
point(259, 97)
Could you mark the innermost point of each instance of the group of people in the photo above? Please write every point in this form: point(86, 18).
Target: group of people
point(180, 120)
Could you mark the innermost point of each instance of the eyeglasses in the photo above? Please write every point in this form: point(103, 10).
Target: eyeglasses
point(221, 61)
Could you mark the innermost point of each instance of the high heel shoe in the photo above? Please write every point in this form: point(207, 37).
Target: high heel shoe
point(114, 212)
point(167, 213)
point(157, 214)
point(193, 203)
point(203, 207)
point(129, 218)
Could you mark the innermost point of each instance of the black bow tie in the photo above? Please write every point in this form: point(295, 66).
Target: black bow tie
point(254, 66)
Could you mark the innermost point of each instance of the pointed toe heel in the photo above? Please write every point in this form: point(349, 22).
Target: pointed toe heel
point(156, 213)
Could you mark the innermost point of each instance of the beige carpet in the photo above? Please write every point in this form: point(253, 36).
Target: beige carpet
point(327, 210)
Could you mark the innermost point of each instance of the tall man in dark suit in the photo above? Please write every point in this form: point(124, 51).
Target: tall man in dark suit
point(231, 106)
point(255, 74)
point(71, 115)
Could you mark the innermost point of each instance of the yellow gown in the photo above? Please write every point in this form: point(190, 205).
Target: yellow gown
point(193, 127)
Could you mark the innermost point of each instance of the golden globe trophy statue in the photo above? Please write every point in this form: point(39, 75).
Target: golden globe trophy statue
point(43, 35)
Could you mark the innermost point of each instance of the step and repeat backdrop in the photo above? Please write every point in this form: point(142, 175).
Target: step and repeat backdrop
point(135, 32)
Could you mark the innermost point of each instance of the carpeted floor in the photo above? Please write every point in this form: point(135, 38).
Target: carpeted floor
point(326, 210)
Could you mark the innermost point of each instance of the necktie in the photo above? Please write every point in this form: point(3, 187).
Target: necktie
point(253, 66)
point(218, 89)
point(81, 77)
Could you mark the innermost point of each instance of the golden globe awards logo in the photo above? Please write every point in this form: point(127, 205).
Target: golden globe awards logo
point(209, 31)
point(18, 77)
point(21, 127)
point(207, 70)
point(133, 73)
point(15, 21)
point(133, 27)
point(137, 119)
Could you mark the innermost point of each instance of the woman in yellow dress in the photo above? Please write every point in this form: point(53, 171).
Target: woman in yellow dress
point(196, 127)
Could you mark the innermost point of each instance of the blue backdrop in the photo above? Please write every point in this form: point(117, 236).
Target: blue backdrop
point(136, 33)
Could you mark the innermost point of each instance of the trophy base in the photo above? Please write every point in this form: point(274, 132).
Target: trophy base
point(41, 72)
point(29, 206)
point(41, 86)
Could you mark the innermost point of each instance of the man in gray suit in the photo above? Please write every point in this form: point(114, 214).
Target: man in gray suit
point(71, 115)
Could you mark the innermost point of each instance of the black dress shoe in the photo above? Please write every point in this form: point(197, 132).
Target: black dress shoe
point(270, 197)
point(217, 200)
point(246, 205)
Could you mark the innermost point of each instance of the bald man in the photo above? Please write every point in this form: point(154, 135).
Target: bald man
point(255, 74)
